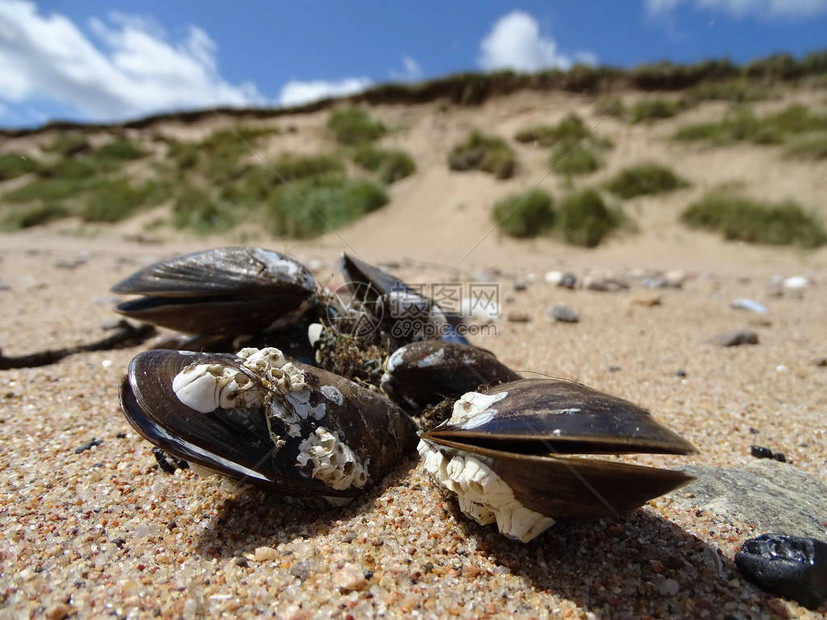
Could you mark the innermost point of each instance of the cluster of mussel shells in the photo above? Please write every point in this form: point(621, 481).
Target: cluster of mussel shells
point(251, 395)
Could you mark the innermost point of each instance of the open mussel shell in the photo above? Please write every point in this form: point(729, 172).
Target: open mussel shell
point(424, 373)
point(538, 416)
point(531, 430)
point(572, 487)
point(240, 442)
point(232, 291)
point(406, 315)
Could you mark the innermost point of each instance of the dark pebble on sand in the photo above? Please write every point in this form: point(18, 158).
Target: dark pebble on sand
point(821, 362)
point(520, 286)
point(735, 338)
point(762, 452)
point(680, 373)
point(563, 314)
point(789, 566)
point(88, 446)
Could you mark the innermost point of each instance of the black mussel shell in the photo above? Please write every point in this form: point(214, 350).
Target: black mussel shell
point(237, 442)
point(541, 416)
point(424, 373)
point(529, 437)
point(225, 291)
point(570, 487)
point(405, 315)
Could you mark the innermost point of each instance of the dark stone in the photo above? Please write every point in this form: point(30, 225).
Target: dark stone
point(790, 566)
point(680, 373)
point(735, 338)
point(821, 362)
point(563, 314)
point(520, 286)
point(762, 452)
point(88, 445)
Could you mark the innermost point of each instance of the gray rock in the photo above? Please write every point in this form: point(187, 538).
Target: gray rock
point(520, 285)
point(735, 338)
point(607, 284)
point(563, 279)
point(564, 314)
point(820, 361)
point(775, 497)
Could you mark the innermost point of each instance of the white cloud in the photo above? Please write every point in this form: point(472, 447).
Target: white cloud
point(515, 43)
point(135, 71)
point(741, 8)
point(411, 71)
point(299, 93)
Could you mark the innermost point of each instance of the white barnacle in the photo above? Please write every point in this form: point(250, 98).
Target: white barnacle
point(473, 404)
point(483, 496)
point(206, 387)
point(324, 456)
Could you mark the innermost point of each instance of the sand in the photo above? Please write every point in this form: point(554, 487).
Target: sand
point(105, 532)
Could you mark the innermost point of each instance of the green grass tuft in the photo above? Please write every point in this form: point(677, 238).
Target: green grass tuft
point(653, 109)
point(737, 91)
point(583, 159)
point(644, 179)
point(524, 216)
point(390, 165)
point(339, 201)
point(29, 216)
point(812, 146)
point(741, 124)
point(487, 153)
point(569, 129)
point(67, 144)
point(744, 219)
point(115, 200)
point(353, 126)
point(585, 220)
point(14, 165)
point(52, 189)
point(195, 210)
point(119, 149)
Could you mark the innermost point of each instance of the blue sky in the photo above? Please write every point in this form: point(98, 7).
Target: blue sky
point(91, 60)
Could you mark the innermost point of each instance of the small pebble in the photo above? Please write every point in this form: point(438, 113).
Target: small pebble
point(57, 612)
point(669, 587)
point(265, 554)
point(749, 305)
point(520, 286)
point(88, 445)
point(644, 299)
point(301, 570)
point(680, 373)
point(735, 338)
point(789, 566)
point(796, 283)
point(762, 452)
point(519, 317)
point(350, 578)
point(821, 362)
point(564, 314)
point(604, 283)
point(561, 278)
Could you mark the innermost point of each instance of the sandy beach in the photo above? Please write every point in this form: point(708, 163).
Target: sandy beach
point(105, 532)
